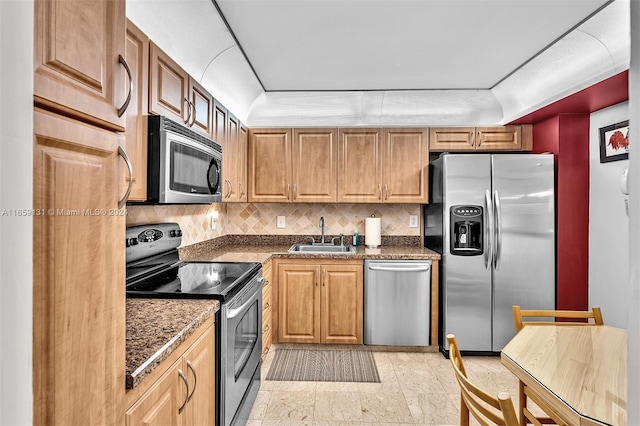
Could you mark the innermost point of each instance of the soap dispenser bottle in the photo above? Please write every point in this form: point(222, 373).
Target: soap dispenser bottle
point(356, 238)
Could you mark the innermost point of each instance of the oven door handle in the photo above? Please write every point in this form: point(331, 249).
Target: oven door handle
point(237, 311)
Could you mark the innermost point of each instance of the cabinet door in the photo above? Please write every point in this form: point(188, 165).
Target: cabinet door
point(78, 271)
point(160, 404)
point(199, 368)
point(202, 109)
point(169, 87)
point(342, 299)
point(269, 174)
point(298, 303)
point(314, 161)
point(452, 139)
point(405, 166)
point(507, 138)
point(243, 141)
point(135, 145)
point(359, 166)
point(76, 67)
point(231, 153)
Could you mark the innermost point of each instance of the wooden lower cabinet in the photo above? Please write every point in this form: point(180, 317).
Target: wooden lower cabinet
point(267, 309)
point(320, 301)
point(165, 401)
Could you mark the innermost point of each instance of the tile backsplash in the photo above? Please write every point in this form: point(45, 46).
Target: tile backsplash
point(261, 218)
point(194, 219)
point(302, 219)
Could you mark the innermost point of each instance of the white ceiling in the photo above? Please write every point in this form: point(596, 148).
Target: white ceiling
point(396, 45)
point(389, 62)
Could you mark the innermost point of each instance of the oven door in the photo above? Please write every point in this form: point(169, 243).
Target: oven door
point(241, 356)
point(192, 171)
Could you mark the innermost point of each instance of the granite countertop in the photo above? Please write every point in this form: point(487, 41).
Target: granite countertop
point(156, 327)
point(264, 253)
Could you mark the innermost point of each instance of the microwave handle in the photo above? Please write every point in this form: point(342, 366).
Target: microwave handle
point(123, 154)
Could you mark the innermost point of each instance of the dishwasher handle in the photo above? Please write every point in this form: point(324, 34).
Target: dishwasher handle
point(419, 268)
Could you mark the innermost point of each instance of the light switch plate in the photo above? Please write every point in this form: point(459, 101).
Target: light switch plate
point(281, 222)
point(413, 221)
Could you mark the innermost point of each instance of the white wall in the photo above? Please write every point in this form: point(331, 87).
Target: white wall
point(633, 291)
point(16, 192)
point(608, 225)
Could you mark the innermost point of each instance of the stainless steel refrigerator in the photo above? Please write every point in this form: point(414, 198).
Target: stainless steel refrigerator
point(492, 218)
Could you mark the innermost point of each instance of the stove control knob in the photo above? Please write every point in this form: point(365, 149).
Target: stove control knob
point(172, 233)
point(133, 241)
point(179, 233)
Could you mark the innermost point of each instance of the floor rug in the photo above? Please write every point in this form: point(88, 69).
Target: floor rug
point(315, 365)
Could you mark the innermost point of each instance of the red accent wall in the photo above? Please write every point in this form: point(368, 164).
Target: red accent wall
point(563, 128)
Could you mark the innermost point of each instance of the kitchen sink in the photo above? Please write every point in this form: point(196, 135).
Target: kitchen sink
point(319, 248)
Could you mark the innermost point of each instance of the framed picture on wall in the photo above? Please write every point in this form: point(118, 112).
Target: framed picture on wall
point(614, 142)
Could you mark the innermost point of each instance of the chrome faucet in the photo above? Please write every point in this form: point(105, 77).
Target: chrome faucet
point(321, 225)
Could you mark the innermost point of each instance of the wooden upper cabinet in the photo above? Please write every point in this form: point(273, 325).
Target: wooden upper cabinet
point(452, 138)
point(499, 138)
point(359, 166)
point(231, 153)
point(220, 124)
point(507, 138)
point(405, 166)
point(314, 165)
point(243, 142)
point(175, 94)
point(168, 87)
point(269, 165)
point(201, 109)
point(135, 143)
point(77, 71)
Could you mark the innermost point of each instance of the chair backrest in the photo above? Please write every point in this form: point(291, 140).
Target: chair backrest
point(486, 409)
point(518, 314)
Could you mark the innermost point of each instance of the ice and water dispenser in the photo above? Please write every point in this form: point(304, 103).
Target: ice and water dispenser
point(466, 230)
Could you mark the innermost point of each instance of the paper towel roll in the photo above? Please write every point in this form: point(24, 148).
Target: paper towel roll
point(372, 231)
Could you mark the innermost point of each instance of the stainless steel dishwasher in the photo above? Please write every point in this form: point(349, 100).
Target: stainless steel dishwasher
point(397, 302)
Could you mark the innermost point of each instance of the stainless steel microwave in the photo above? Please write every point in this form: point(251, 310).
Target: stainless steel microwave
point(184, 167)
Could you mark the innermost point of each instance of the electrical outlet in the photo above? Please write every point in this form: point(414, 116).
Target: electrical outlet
point(281, 222)
point(214, 219)
point(413, 221)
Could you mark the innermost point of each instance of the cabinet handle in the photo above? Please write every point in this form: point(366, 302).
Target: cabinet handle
point(379, 191)
point(193, 118)
point(124, 106)
point(195, 380)
point(186, 398)
point(295, 191)
point(386, 191)
point(266, 328)
point(186, 122)
point(267, 306)
point(241, 187)
point(123, 154)
point(230, 188)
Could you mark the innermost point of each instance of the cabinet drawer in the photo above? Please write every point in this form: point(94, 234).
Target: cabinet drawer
point(267, 302)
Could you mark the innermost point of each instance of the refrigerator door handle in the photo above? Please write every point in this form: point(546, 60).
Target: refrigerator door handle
point(498, 230)
point(488, 208)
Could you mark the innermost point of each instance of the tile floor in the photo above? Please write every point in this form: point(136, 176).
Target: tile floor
point(415, 388)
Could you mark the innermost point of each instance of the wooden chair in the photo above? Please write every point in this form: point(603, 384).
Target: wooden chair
point(518, 314)
point(486, 409)
point(524, 392)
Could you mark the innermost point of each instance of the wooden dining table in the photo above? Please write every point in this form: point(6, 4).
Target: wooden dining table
point(579, 371)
